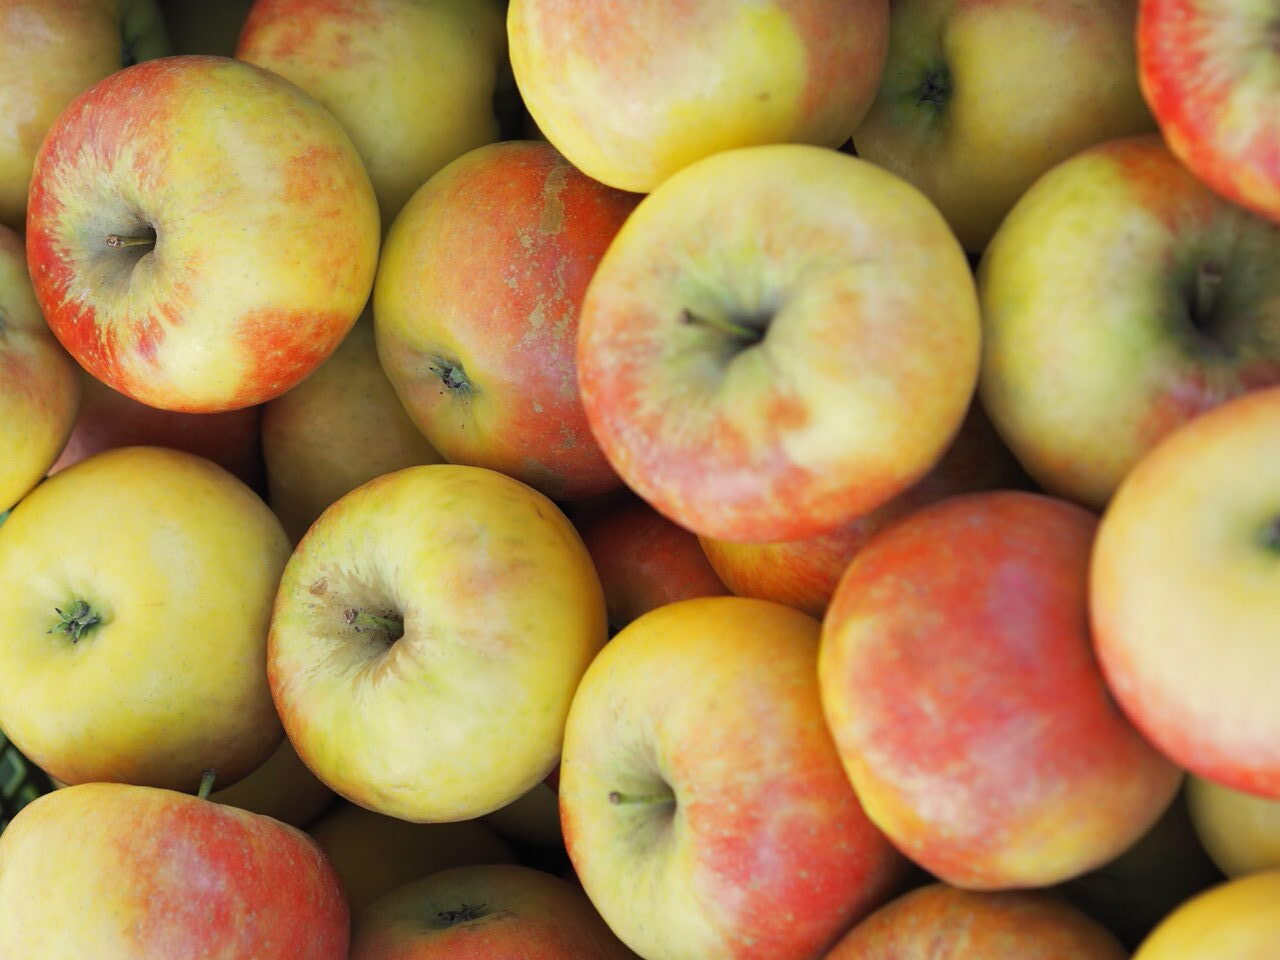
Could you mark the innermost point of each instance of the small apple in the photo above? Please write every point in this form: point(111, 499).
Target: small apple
point(1241, 831)
point(1236, 920)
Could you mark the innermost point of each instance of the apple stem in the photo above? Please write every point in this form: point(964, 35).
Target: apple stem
point(723, 324)
point(75, 621)
point(617, 798)
point(1208, 280)
point(1271, 535)
point(116, 240)
point(206, 783)
point(364, 620)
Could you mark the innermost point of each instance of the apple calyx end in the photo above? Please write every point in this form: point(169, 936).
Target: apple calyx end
point(464, 914)
point(76, 620)
point(451, 374)
point(206, 783)
point(936, 87)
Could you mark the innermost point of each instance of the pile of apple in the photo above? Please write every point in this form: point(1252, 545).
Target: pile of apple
point(746, 479)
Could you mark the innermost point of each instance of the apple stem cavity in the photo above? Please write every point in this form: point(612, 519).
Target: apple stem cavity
point(206, 783)
point(1208, 282)
point(1271, 535)
point(740, 331)
point(617, 798)
point(76, 620)
point(362, 620)
point(117, 240)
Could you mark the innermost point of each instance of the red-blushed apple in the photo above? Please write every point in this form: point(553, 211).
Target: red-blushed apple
point(476, 312)
point(1181, 291)
point(52, 51)
point(282, 788)
point(980, 97)
point(1209, 70)
point(118, 872)
point(337, 429)
point(1236, 920)
point(201, 233)
point(135, 599)
point(959, 682)
point(427, 638)
point(485, 913)
point(39, 386)
point(804, 573)
point(412, 81)
point(780, 339)
point(374, 854)
point(1184, 593)
point(644, 560)
point(1240, 831)
point(703, 802)
point(938, 922)
point(631, 94)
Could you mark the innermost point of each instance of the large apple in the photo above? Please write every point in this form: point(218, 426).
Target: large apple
point(412, 81)
point(476, 312)
point(780, 339)
point(428, 635)
point(39, 386)
point(118, 872)
point(1120, 298)
point(703, 802)
point(1236, 920)
point(980, 97)
point(1208, 70)
point(1240, 831)
point(631, 93)
point(201, 233)
point(135, 597)
point(53, 51)
point(960, 684)
point(1185, 594)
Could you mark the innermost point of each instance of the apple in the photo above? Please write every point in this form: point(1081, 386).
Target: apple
point(938, 922)
point(282, 788)
point(1236, 920)
point(1121, 298)
point(412, 81)
point(959, 682)
point(427, 637)
point(980, 97)
point(201, 233)
point(135, 597)
point(476, 312)
point(804, 573)
point(780, 339)
point(204, 28)
point(1240, 831)
point(532, 817)
point(337, 429)
point(632, 93)
point(1184, 594)
point(119, 872)
point(52, 52)
point(1207, 68)
point(39, 389)
point(703, 802)
point(484, 913)
point(374, 854)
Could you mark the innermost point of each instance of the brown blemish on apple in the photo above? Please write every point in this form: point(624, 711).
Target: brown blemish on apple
point(552, 202)
point(320, 587)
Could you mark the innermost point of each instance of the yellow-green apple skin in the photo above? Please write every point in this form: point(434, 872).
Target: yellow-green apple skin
point(980, 97)
point(412, 81)
point(375, 854)
point(476, 310)
point(201, 234)
point(632, 93)
point(959, 682)
point(52, 51)
point(1240, 831)
point(484, 913)
point(1185, 594)
point(281, 787)
point(1210, 69)
point(427, 638)
point(1236, 920)
point(1121, 298)
point(753, 359)
point(702, 799)
point(39, 382)
point(337, 429)
point(164, 567)
point(119, 872)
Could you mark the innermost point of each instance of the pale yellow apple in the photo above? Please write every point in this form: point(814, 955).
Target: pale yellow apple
point(1240, 831)
point(1236, 920)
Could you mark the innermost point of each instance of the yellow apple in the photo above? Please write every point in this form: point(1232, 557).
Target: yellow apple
point(1236, 920)
point(1241, 831)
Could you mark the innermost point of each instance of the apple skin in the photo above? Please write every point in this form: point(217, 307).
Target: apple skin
point(1207, 68)
point(961, 688)
point(703, 803)
point(180, 562)
point(255, 234)
point(804, 573)
point(1236, 920)
point(39, 386)
point(1240, 831)
point(752, 362)
point(483, 913)
point(476, 311)
point(937, 922)
point(337, 429)
point(1183, 294)
point(52, 52)
point(118, 872)
point(1183, 594)
point(631, 94)
point(281, 788)
point(980, 97)
point(500, 611)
